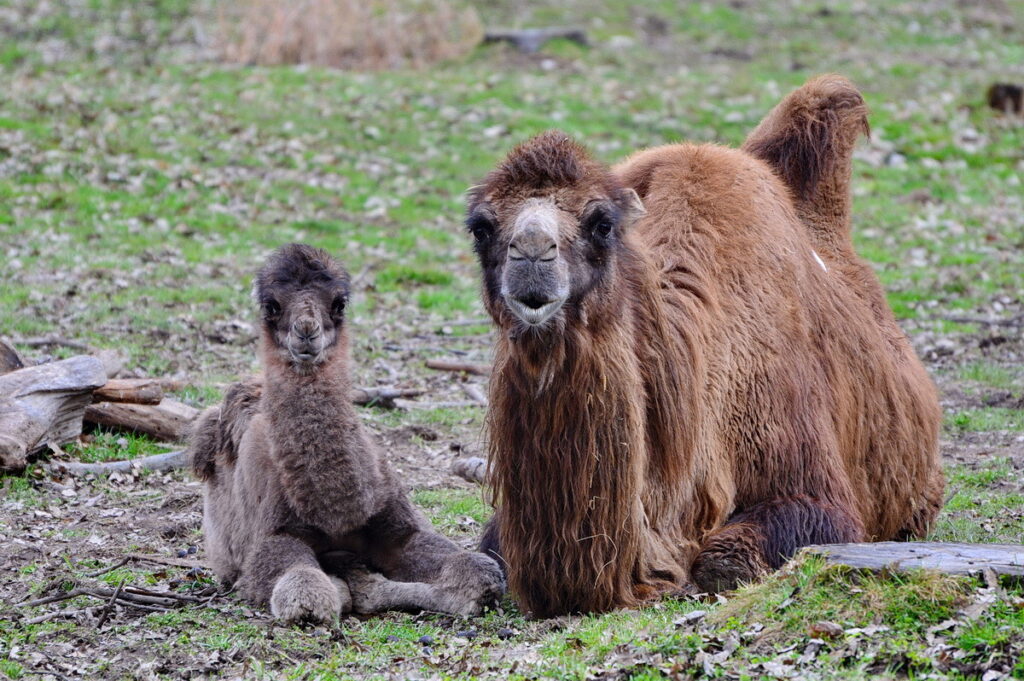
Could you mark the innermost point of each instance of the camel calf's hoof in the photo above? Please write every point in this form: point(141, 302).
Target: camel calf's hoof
point(306, 594)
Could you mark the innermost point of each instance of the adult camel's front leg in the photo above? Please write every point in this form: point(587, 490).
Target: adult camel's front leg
point(761, 538)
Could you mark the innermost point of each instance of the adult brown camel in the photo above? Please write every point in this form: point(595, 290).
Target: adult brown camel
point(694, 373)
point(301, 509)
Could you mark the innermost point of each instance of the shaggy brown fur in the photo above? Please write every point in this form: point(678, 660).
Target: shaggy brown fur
point(695, 374)
point(294, 485)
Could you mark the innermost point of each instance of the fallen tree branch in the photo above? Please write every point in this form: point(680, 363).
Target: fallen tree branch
point(382, 397)
point(454, 404)
point(467, 367)
point(157, 462)
point(530, 40)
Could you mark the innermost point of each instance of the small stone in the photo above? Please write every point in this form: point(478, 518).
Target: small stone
point(425, 640)
point(182, 553)
point(825, 629)
point(468, 633)
point(392, 639)
point(192, 550)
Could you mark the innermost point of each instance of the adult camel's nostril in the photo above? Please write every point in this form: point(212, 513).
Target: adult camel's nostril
point(533, 243)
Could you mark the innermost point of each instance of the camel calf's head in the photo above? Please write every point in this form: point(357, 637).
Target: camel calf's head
point(546, 223)
point(302, 292)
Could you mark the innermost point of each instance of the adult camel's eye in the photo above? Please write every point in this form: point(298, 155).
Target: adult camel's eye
point(481, 226)
point(600, 222)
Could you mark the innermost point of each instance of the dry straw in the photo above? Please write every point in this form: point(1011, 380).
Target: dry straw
point(354, 34)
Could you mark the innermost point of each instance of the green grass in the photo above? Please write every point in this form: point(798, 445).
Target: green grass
point(141, 188)
point(986, 419)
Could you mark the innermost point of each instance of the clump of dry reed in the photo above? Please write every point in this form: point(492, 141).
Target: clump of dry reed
point(353, 34)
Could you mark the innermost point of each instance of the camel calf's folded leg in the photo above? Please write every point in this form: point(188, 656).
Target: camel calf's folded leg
point(284, 571)
point(422, 570)
point(762, 537)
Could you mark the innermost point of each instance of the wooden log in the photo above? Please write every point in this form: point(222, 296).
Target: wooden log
point(471, 468)
point(10, 360)
point(157, 462)
point(43, 405)
point(134, 390)
point(950, 558)
point(168, 420)
point(530, 40)
point(467, 367)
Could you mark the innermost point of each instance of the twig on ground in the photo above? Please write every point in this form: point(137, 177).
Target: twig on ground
point(45, 341)
point(467, 367)
point(110, 605)
point(161, 560)
point(98, 573)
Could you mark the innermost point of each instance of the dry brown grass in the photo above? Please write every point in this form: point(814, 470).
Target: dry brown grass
point(353, 34)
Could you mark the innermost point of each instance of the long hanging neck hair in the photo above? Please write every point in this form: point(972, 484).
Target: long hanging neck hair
point(591, 438)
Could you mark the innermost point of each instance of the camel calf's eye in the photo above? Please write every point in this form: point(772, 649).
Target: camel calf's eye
point(271, 309)
point(338, 307)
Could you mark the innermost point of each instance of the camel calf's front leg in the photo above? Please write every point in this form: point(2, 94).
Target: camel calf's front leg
point(284, 571)
point(762, 537)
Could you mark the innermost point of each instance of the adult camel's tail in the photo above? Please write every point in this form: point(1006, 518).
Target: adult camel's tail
point(808, 140)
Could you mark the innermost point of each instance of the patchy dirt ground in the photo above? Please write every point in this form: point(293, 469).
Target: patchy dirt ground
point(141, 184)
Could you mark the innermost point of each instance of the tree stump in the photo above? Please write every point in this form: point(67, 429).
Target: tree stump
point(43, 405)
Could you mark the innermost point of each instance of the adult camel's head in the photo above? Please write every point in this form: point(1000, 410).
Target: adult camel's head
point(547, 224)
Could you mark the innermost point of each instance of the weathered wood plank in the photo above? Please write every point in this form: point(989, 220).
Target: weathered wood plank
point(168, 420)
point(950, 558)
point(44, 404)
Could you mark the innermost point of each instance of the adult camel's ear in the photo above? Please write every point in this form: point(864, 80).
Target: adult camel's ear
point(632, 207)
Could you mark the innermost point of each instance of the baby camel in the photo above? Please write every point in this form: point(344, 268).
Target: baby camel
point(295, 488)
